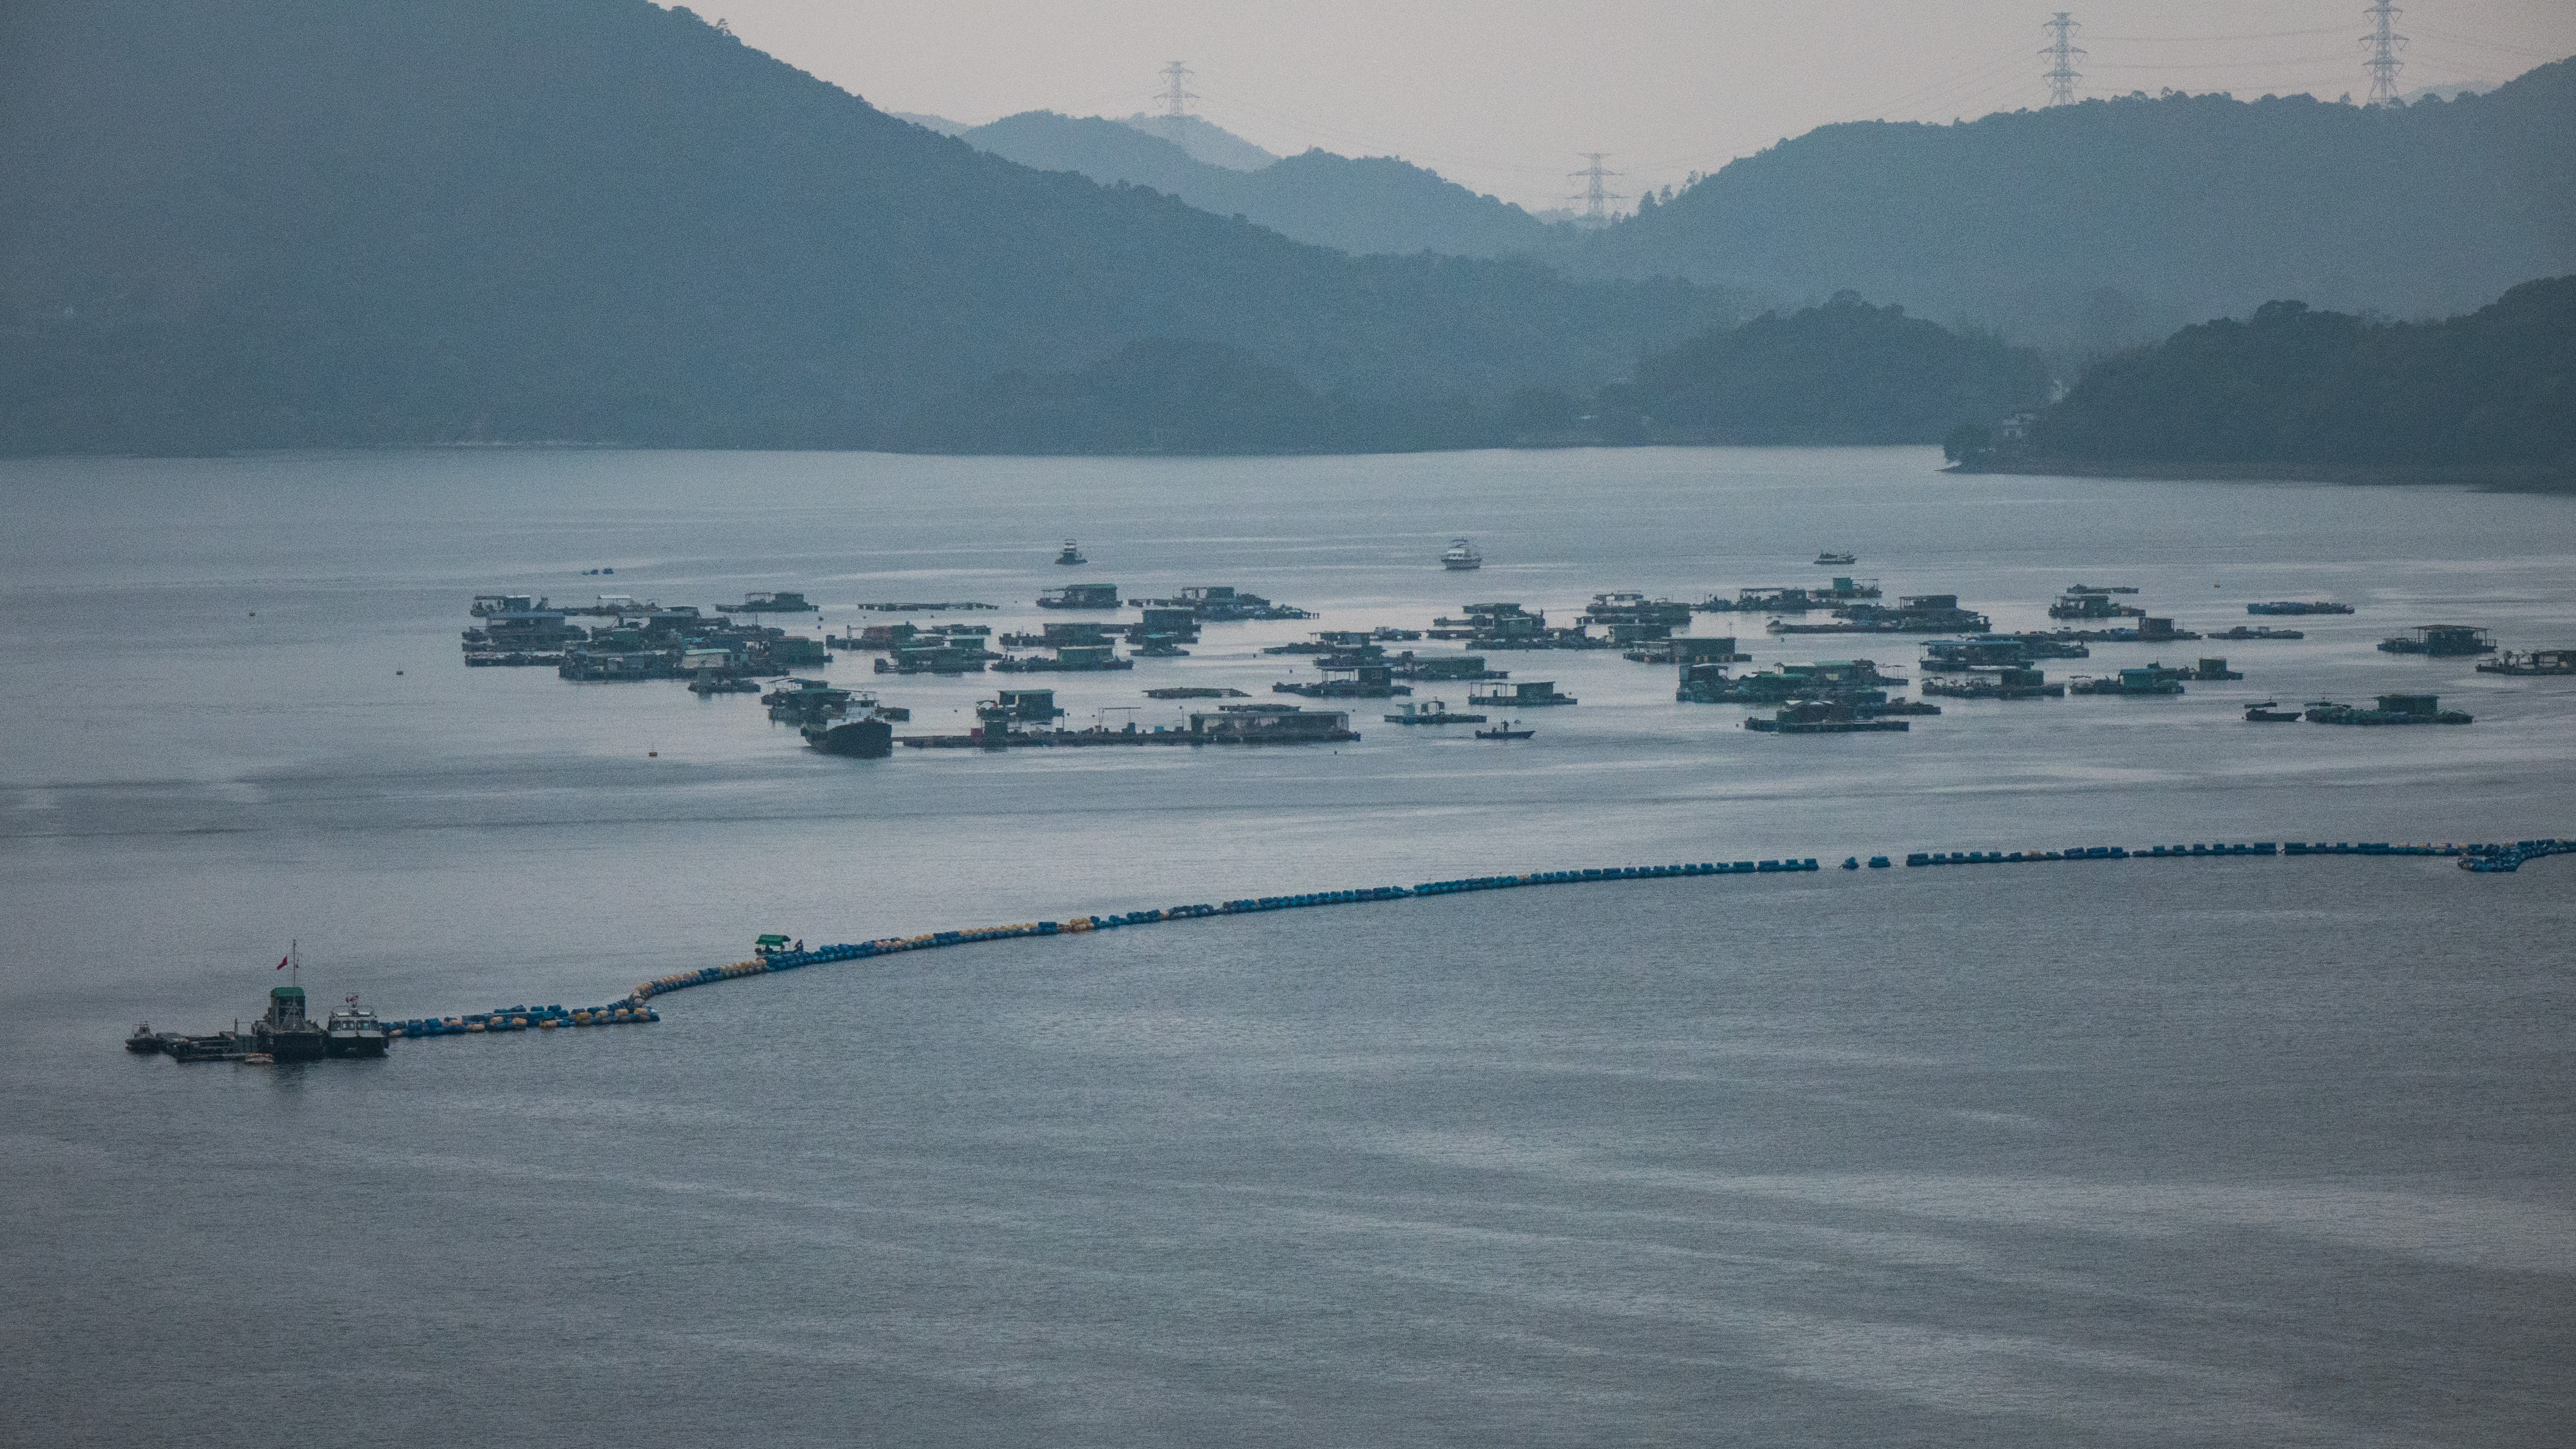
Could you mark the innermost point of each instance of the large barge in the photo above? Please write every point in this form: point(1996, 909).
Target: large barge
point(1824, 717)
point(1913, 614)
point(1002, 728)
point(2013, 682)
point(2392, 709)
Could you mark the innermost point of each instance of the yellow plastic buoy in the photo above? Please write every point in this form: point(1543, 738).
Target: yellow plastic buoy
point(547, 1024)
point(473, 1026)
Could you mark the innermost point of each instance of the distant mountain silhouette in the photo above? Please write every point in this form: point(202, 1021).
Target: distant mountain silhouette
point(941, 124)
point(1369, 205)
point(1204, 140)
point(253, 223)
point(2111, 222)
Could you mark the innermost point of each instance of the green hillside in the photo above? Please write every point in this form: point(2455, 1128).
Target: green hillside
point(1845, 372)
point(2292, 385)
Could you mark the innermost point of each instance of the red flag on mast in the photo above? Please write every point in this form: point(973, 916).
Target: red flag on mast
point(281, 963)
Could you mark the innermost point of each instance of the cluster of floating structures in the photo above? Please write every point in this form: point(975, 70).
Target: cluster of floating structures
point(1963, 658)
point(773, 953)
point(1842, 696)
point(719, 655)
point(638, 640)
point(1025, 719)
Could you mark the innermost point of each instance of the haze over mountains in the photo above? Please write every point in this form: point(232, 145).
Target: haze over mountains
point(2083, 228)
point(1204, 140)
point(2114, 221)
point(283, 222)
point(1360, 205)
point(259, 223)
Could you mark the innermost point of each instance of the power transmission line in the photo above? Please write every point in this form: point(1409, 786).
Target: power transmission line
point(2060, 54)
point(1176, 98)
point(1595, 197)
point(2201, 39)
point(2383, 42)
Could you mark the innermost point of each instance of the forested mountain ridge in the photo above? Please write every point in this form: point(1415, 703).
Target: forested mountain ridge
point(1845, 372)
point(1362, 205)
point(2494, 388)
point(2111, 222)
point(256, 223)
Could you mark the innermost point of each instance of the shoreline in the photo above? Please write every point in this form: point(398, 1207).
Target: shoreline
point(2489, 478)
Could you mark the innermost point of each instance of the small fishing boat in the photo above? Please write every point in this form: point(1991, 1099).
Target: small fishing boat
point(1505, 731)
point(1461, 556)
point(2270, 712)
point(1071, 554)
point(1835, 560)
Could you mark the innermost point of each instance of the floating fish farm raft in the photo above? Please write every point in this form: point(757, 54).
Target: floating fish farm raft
point(636, 1008)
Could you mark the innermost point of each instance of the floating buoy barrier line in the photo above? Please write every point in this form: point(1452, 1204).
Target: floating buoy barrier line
point(635, 1008)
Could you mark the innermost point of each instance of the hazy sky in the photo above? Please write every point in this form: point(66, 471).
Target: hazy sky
point(1503, 96)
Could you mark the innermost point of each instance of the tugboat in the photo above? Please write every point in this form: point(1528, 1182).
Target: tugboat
point(1461, 556)
point(353, 1031)
point(1071, 554)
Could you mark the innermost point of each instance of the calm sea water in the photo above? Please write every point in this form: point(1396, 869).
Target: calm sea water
point(2152, 1153)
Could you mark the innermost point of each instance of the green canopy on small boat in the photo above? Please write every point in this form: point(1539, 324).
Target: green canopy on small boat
point(770, 941)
